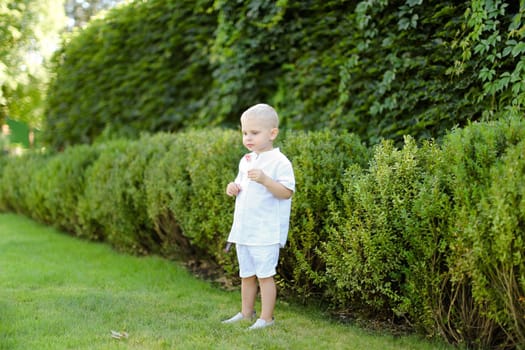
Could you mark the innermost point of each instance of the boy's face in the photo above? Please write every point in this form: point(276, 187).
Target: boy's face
point(258, 135)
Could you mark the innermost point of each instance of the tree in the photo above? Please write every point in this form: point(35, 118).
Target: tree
point(80, 12)
point(30, 31)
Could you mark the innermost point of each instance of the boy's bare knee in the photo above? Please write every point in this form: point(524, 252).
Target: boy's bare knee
point(265, 280)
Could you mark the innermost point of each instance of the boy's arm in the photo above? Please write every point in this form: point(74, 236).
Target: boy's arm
point(276, 188)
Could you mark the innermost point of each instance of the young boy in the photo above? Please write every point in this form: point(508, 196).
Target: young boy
point(263, 189)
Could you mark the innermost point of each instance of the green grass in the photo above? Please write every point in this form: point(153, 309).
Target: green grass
point(59, 292)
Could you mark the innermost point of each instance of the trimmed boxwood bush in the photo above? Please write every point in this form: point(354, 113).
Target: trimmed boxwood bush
point(471, 158)
point(319, 159)
point(97, 207)
point(501, 278)
point(17, 182)
point(167, 188)
point(3, 165)
point(60, 184)
point(213, 160)
point(185, 189)
point(382, 253)
point(115, 198)
point(433, 234)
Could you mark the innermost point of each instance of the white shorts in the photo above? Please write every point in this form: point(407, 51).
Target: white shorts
point(260, 261)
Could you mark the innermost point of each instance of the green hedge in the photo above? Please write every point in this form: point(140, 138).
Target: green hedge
point(485, 254)
point(17, 185)
point(60, 183)
point(428, 234)
point(114, 204)
point(382, 253)
point(433, 234)
point(319, 160)
point(167, 186)
point(186, 193)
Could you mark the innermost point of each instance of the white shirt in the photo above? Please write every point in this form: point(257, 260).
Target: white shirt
point(260, 218)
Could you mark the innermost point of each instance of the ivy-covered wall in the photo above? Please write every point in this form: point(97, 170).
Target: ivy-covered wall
point(378, 68)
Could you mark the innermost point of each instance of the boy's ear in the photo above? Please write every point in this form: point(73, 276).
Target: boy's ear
point(273, 133)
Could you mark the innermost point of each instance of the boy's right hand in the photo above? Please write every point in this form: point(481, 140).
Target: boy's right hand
point(233, 189)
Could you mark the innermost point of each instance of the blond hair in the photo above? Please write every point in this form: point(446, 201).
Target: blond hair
point(264, 113)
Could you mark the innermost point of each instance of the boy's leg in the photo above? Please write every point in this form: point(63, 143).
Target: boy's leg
point(268, 297)
point(248, 294)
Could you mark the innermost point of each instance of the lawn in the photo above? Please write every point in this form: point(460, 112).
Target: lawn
point(60, 292)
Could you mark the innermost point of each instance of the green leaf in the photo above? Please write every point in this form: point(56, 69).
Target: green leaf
point(518, 49)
